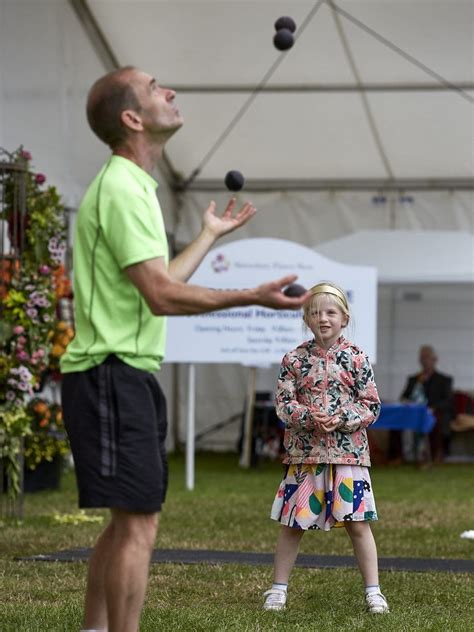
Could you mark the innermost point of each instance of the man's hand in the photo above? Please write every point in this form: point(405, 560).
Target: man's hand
point(325, 422)
point(218, 226)
point(271, 295)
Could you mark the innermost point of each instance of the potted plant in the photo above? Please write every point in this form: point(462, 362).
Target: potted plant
point(31, 278)
point(45, 445)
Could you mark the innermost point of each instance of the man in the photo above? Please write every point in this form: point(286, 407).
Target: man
point(436, 390)
point(115, 412)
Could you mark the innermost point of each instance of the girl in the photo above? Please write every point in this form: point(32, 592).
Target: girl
point(327, 396)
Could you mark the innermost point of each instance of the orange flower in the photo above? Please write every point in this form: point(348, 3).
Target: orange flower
point(43, 423)
point(40, 407)
point(57, 350)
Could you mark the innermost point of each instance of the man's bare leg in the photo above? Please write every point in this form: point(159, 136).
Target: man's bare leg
point(118, 572)
point(95, 608)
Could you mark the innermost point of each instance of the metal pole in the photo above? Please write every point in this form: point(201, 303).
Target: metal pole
point(190, 427)
point(246, 456)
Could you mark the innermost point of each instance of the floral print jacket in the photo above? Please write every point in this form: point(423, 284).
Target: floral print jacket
point(339, 381)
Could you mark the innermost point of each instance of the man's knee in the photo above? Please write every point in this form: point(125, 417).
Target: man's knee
point(137, 528)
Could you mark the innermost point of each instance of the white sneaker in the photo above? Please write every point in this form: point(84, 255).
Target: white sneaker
point(376, 603)
point(275, 599)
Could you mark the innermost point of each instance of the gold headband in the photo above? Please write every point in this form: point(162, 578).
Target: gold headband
point(325, 288)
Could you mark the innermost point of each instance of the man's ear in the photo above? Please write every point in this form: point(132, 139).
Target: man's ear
point(132, 120)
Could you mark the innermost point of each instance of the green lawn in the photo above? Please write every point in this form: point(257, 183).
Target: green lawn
point(422, 514)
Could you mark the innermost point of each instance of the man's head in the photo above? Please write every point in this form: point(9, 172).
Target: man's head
point(128, 101)
point(428, 358)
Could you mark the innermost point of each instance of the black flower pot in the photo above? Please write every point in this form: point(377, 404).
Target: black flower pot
point(47, 475)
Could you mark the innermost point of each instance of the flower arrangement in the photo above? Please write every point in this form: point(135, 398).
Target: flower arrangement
point(62, 336)
point(48, 438)
point(31, 281)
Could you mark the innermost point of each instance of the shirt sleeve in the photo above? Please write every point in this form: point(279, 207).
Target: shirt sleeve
point(294, 414)
point(365, 408)
point(133, 228)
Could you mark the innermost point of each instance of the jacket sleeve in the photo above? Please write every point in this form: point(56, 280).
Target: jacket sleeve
point(288, 409)
point(365, 408)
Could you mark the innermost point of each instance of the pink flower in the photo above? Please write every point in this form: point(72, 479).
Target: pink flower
point(44, 269)
point(26, 155)
point(21, 340)
point(40, 178)
point(18, 330)
point(22, 355)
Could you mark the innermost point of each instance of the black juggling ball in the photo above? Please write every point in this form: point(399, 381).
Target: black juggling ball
point(283, 39)
point(234, 180)
point(294, 290)
point(285, 22)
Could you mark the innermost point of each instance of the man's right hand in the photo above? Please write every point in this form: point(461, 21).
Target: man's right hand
point(271, 294)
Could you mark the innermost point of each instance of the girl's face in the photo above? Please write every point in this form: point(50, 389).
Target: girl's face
point(326, 320)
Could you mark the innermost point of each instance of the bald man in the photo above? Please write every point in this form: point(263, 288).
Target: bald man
point(124, 286)
point(435, 389)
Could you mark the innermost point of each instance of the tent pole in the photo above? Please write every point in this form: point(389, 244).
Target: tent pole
point(246, 456)
point(190, 427)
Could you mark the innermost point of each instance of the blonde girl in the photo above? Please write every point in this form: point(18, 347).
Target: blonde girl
point(326, 395)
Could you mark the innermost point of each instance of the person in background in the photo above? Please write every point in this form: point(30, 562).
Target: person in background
point(434, 389)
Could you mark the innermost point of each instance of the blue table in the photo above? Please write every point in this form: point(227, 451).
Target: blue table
point(416, 417)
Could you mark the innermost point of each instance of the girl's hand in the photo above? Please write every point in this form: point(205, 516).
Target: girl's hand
point(325, 422)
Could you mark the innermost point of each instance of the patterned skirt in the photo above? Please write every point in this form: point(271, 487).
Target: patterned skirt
point(322, 496)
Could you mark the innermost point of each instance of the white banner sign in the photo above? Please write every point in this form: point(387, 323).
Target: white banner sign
point(257, 336)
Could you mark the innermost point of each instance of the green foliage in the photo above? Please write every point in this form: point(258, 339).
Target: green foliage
point(28, 301)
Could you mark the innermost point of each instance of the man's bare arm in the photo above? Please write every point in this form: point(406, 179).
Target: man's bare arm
point(213, 227)
point(165, 296)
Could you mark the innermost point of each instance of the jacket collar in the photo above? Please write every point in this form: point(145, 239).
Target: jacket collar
point(341, 343)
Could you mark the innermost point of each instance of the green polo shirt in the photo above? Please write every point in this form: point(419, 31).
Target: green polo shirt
point(119, 223)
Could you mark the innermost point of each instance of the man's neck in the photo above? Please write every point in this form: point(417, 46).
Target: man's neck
point(145, 157)
point(427, 373)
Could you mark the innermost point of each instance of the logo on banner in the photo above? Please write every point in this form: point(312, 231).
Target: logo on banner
point(220, 263)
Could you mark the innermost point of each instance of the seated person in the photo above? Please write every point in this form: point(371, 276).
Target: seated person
point(436, 390)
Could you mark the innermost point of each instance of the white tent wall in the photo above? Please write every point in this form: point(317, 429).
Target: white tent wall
point(47, 67)
point(411, 315)
point(311, 217)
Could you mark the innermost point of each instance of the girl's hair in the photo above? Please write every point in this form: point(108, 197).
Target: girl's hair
point(330, 290)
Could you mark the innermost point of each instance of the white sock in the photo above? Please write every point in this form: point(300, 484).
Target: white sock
point(372, 589)
point(283, 587)
point(101, 630)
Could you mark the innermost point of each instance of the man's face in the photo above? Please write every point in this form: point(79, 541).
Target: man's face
point(427, 359)
point(159, 112)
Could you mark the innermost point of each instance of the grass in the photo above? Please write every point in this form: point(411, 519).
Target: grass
point(421, 513)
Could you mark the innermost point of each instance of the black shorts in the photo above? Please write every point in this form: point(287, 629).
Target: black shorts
point(115, 417)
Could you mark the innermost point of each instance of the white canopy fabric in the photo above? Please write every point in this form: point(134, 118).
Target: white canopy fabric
point(314, 134)
point(408, 256)
point(313, 125)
